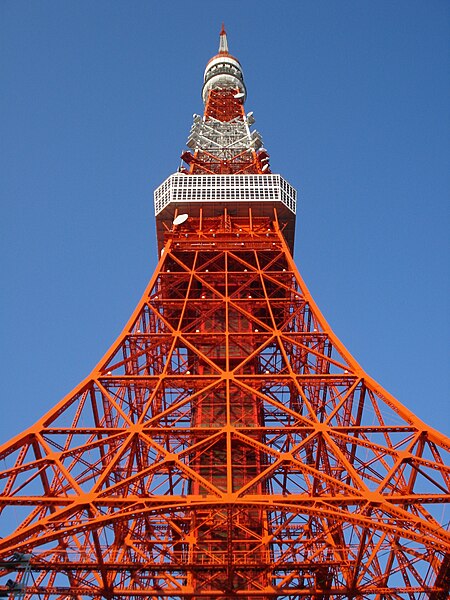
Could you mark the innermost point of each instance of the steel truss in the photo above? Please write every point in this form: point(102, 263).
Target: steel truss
point(228, 446)
point(222, 141)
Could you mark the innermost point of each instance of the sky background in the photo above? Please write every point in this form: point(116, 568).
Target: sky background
point(352, 98)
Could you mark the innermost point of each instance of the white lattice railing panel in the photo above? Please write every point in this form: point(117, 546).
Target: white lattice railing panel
point(180, 188)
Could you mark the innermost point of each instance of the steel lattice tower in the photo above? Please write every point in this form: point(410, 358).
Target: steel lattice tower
point(227, 445)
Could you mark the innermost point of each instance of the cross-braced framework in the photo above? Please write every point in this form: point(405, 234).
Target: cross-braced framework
point(222, 141)
point(227, 445)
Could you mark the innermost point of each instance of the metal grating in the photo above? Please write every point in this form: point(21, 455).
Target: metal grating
point(225, 188)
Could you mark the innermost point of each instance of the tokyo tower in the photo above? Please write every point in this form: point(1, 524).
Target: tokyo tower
point(227, 446)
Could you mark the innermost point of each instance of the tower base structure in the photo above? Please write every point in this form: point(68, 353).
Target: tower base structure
point(227, 446)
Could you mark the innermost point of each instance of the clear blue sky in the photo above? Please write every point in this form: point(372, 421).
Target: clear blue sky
point(352, 99)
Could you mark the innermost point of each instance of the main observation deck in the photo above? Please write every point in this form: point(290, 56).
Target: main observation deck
point(260, 193)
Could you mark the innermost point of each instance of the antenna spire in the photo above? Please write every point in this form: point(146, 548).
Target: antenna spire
point(223, 42)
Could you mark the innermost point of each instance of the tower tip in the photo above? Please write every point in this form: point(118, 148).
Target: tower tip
point(223, 42)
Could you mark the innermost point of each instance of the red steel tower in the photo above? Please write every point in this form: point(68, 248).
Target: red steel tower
point(227, 445)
